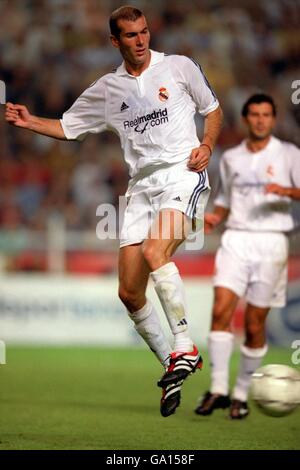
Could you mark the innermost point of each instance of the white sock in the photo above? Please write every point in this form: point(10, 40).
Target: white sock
point(250, 361)
point(148, 326)
point(169, 287)
point(220, 345)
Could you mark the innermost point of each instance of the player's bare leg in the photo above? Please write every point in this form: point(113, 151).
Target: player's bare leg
point(225, 303)
point(255, 320)
point(168, 231)
point(252, 353)
point(220, 345)
point(133, 280)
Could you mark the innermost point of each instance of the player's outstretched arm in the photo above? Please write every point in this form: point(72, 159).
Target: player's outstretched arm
point(19, 116)
point(213, 219)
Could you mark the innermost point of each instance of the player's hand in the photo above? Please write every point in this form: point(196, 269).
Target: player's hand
point(276, 189)
point(211, 220)
point(199, 159)
point(17, 115)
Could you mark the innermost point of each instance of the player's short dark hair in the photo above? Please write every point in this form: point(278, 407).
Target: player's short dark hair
point(257, 99)
point(127, 13)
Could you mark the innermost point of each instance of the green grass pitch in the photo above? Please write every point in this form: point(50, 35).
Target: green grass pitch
point(91, 398)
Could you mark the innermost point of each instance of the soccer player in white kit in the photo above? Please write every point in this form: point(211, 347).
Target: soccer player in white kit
point(150, 102)
point(259, 179)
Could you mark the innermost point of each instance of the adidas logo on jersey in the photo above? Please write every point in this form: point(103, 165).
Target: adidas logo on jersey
point(124, 106)
point(177, 199)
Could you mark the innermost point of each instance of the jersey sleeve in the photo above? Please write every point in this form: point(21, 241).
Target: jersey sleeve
point(223, 194)
point(197, 85)
point(87, 114)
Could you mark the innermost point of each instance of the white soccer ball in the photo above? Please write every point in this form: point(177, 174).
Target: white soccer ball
point(275, 389)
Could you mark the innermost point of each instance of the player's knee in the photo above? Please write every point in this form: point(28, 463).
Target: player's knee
point(219, 318)
point(152, 254)
point(254, 331)
point(130, 298)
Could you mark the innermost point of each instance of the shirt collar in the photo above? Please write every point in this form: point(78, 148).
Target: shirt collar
point(271, 145)
point(155, 58)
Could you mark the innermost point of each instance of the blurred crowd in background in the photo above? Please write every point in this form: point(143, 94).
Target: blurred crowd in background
point(51, 50)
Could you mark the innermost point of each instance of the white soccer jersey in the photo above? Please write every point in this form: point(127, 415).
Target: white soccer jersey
point(244, 175)
point(153, 114)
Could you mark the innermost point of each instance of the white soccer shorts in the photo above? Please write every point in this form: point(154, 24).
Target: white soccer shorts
point(174, 187)
point(253, 265)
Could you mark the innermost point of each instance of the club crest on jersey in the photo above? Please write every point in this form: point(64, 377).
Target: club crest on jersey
point(163, 94)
